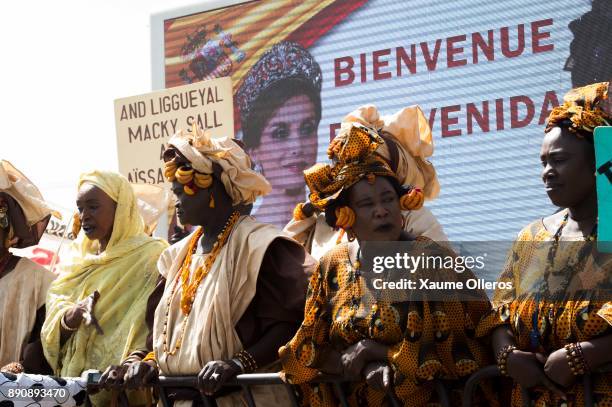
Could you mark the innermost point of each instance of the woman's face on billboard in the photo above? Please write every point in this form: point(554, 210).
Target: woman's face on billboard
point(288, 145)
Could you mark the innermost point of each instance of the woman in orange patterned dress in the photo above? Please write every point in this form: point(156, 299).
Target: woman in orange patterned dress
point(388, 343)
point(554, 325)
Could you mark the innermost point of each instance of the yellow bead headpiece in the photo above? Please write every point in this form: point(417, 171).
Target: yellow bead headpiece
point(190, 178)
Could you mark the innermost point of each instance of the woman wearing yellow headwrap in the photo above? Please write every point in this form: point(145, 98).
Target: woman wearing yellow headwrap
point(23, 283)
point(96, 308)
point(408, 144)
point(382, 341)
point(555, 326)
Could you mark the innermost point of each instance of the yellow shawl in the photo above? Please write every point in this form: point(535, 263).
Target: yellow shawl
point(125, 275)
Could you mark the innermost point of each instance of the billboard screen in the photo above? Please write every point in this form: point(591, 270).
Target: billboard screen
point(486, 75)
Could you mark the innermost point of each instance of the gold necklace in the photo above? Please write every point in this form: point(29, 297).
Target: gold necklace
point(188, 287)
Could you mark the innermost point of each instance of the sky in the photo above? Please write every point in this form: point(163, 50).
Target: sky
point(64, 63)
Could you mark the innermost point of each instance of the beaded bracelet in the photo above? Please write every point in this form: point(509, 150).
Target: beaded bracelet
point(584, 361)
point(65, 326)
point(575, 359)
point(502, 358)
point(246, 359)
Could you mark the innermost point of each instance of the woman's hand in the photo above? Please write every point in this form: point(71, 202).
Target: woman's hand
point(355, 357)
point(75, 315)
point(215, 373)
point(378, 375)
point(113, 377)
point(13, 367)
point(527, 369)
point(83, 310)
point(557, 369)
point(141, 374)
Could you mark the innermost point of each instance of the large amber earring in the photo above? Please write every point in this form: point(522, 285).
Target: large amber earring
point(211, 202)
point(76, 225)
point(412, 200)
point(345, 217)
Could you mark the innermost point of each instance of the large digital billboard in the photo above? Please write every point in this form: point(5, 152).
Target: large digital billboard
point(486, 75)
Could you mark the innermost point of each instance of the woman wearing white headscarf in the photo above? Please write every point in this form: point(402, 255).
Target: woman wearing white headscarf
point(23, 283)
point(408, 144)
point(230, 293)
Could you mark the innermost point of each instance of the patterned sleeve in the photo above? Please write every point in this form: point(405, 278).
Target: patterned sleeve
point(605, 312)
point(499, 314)
point(503, 298)
point(403, 357)
point(301, 356)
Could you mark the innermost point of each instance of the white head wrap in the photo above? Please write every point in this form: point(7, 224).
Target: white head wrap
point(241, 183)
point(31, 201)
point(410, 129)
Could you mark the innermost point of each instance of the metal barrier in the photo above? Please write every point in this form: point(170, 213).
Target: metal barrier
point(493, 371)
point(244, 381)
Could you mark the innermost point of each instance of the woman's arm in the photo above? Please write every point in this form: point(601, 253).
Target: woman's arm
point(272, 318)
point(277, 309)
point(525, 368)
point(597, 351)
point(33, 358)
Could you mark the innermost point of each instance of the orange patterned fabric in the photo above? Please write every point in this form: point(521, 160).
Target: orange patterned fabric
point(581, 107)
point(425, 340)
point(353, 159)
point(573, 319)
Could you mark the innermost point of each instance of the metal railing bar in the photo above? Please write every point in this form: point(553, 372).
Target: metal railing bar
point(587, 383)
point(340, 394)
point(162, 396)
point(470, 385)
point(292, 396)
point(248, 395)
point(442, 393)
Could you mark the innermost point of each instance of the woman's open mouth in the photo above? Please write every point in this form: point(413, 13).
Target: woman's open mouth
point(385, 227)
